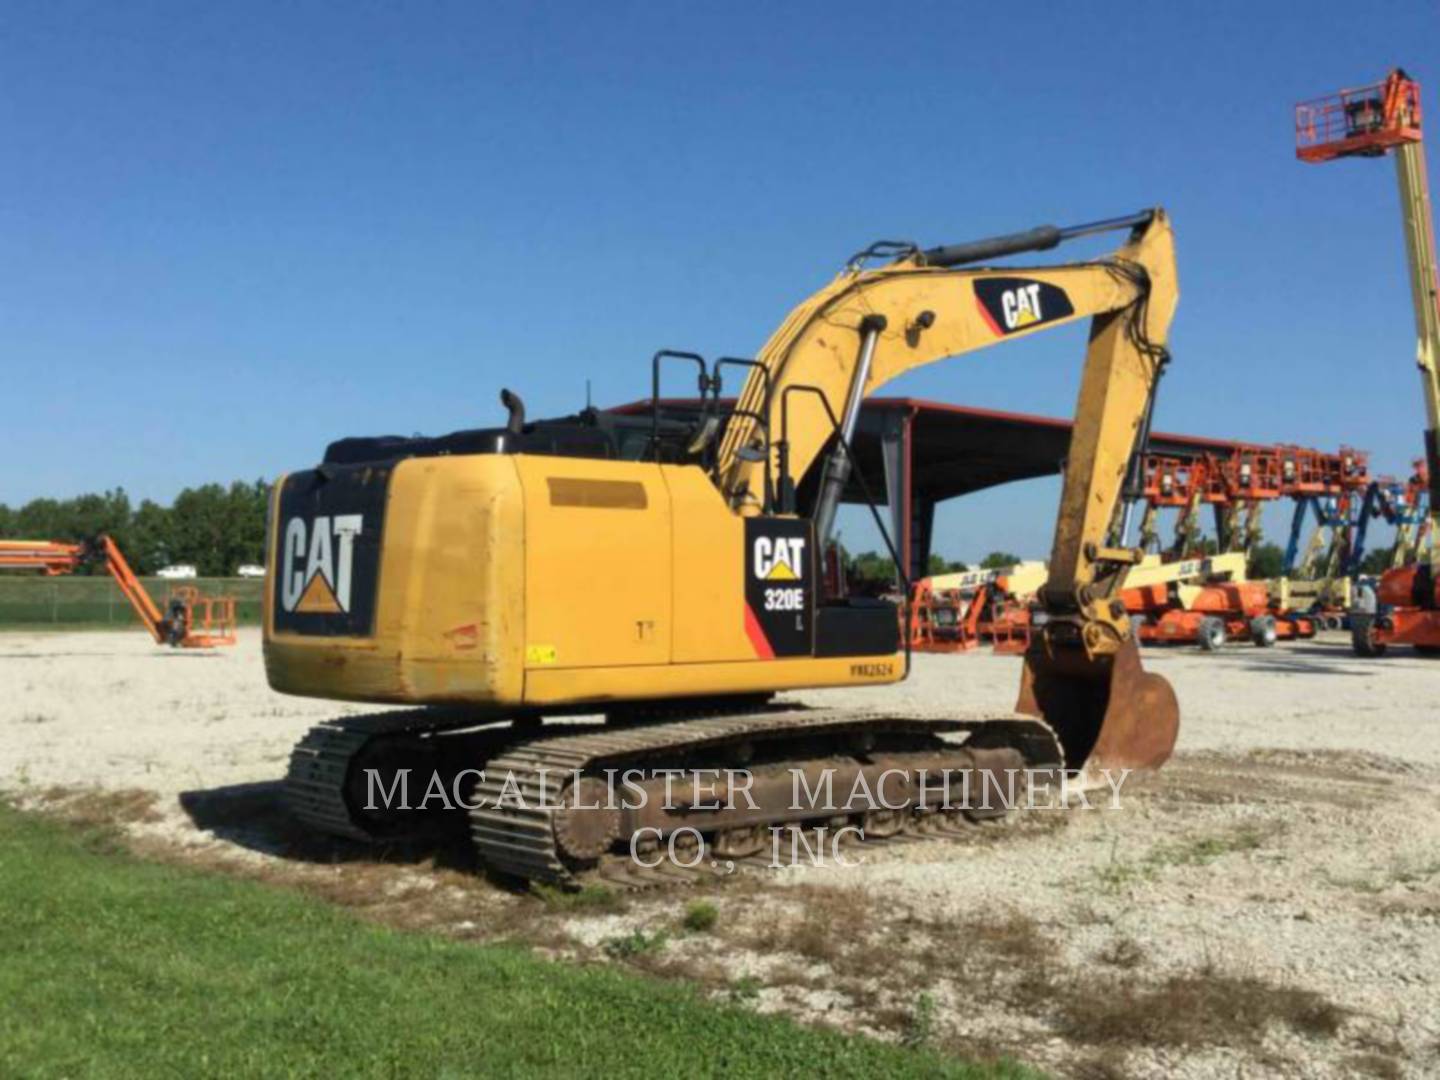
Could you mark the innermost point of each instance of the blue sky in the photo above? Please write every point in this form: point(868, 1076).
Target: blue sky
point(232, 232)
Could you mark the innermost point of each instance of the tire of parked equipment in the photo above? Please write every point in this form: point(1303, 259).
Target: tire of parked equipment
point(1362, 636)
point(1211, 633)
point(1262, 631)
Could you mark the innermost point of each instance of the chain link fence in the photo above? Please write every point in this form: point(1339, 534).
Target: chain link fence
point(78, 601)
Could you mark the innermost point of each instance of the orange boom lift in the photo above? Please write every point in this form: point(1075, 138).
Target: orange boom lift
point(1370, 122)
point(189, 621)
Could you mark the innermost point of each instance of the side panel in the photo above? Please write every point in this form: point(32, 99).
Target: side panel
point(709, 566)
point(597, 563)
point(452, 578)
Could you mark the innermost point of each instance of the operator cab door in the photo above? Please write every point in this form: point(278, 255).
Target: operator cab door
point(597, 563)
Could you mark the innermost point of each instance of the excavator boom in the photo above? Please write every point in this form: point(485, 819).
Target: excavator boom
point(871, 325)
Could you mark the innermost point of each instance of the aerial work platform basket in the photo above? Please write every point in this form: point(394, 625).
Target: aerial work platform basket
point(1363, 122)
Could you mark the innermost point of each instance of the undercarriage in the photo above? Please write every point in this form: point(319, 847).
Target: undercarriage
point(635, 803)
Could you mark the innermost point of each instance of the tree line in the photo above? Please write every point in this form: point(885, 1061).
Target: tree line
point(213, 527)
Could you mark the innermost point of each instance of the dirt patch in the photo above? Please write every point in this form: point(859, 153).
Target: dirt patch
point(99, 808)
point(1197, 1009)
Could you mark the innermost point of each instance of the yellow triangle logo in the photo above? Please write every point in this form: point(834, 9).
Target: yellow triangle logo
point(318, 599)
point(1025, 318)
point(781, 572)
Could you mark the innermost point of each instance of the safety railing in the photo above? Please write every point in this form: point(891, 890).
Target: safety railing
point(1366, 120)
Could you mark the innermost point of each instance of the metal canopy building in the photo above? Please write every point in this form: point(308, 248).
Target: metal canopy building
point(913, 454)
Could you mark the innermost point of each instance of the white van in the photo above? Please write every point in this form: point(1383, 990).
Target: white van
point(177, 570)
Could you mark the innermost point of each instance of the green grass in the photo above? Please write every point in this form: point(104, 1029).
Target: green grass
point(110, 965)
point(94, 601)
point(700, 916)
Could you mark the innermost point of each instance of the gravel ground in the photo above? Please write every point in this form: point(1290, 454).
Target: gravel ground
point(1267, 905)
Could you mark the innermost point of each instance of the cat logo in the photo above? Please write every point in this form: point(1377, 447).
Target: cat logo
point(1021, 306)
point(1012, 304)
point(779, 558)
point(315, 570)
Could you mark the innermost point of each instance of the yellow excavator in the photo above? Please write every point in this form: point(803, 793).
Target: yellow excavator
point(666, 570)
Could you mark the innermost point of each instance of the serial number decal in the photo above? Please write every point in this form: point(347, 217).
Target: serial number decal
point(872, 671)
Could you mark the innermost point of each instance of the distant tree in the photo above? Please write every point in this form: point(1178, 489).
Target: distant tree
point(998, 560)
point(941, 565)
point(69, 519)
point(93, 515)
point(871, 566)
point(247, 515)
point(41, 519)
point(218, 529)
point(1376, 562)
point(215, 527)
point(1266, 561)
point(150, 542)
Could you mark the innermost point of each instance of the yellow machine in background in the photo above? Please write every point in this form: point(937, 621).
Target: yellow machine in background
point(1152, 570)
point(1021, 579)
point(652, 568)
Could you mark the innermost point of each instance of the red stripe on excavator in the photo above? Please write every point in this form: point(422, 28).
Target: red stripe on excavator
point(989, 319)
point(757, 636)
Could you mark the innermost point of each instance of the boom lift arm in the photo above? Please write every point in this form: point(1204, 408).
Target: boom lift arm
point(1425, 292)
point(1369, 122)
point(172, 627)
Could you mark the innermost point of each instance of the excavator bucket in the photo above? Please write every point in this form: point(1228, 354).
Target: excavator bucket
point(1108, 713)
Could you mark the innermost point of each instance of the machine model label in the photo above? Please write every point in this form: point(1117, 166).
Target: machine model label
point(779, 587)
point(1010, 304)
point(326, 561)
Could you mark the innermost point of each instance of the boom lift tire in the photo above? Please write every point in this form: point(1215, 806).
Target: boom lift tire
point(1211, 633)
point(1262, 631)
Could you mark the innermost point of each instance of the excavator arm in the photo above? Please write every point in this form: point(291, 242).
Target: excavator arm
point(871, 325)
